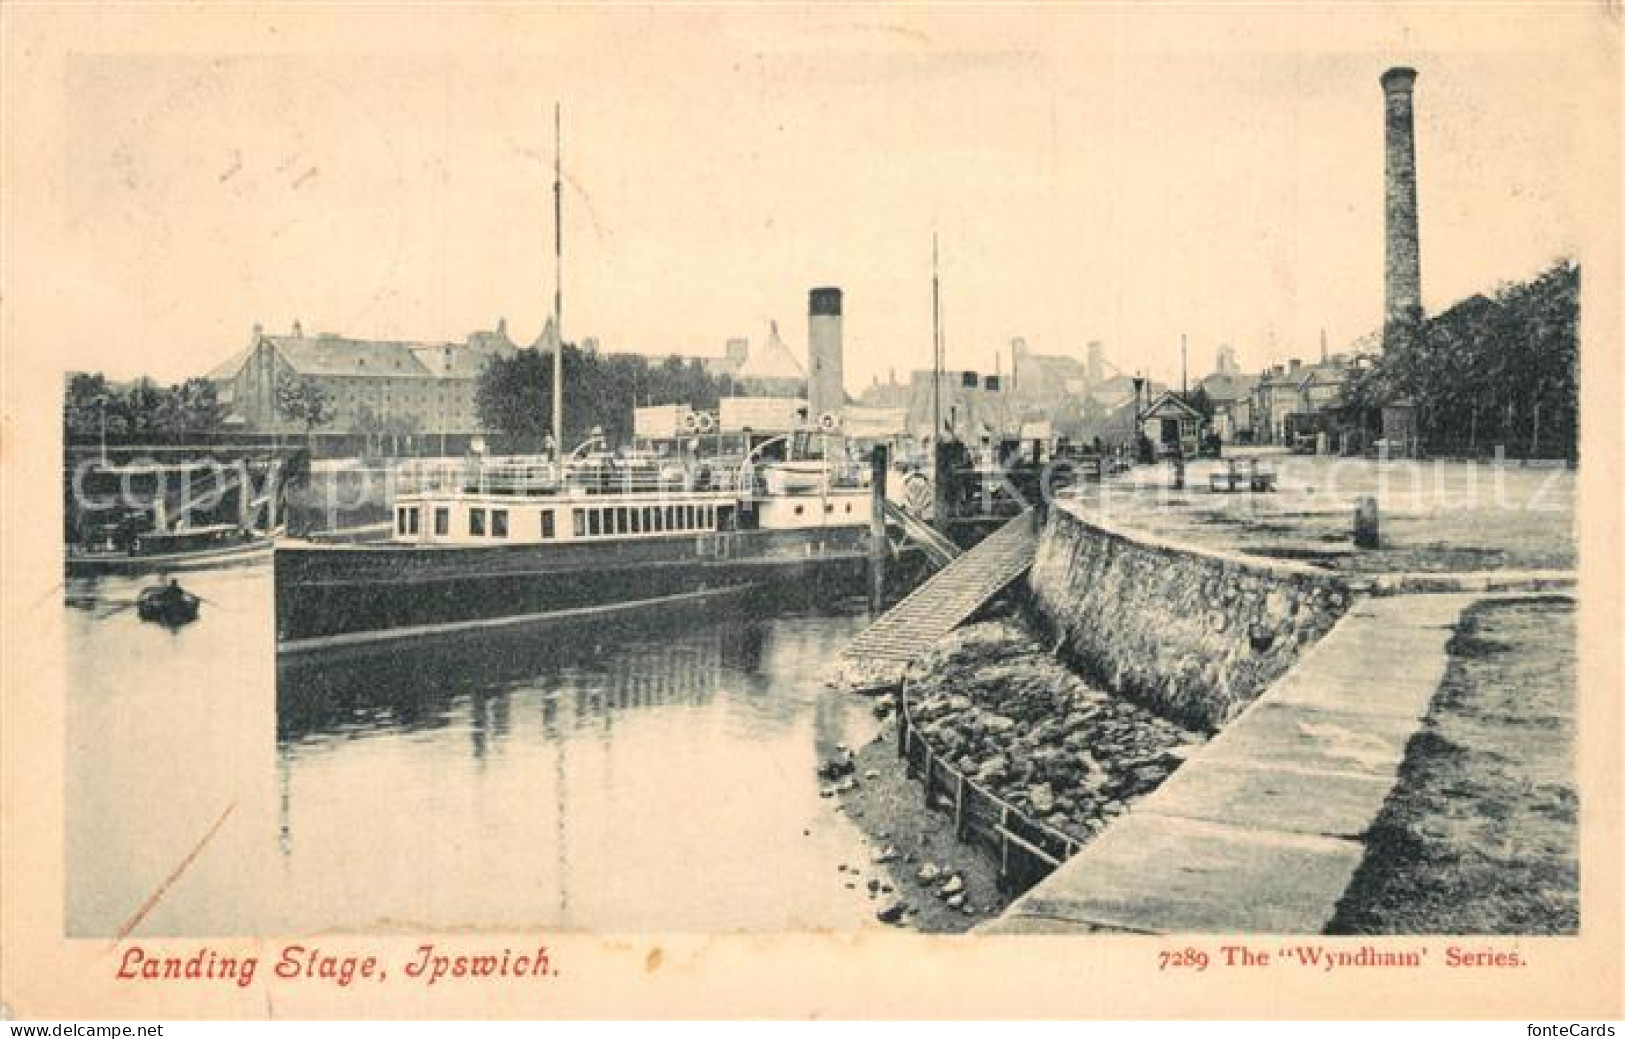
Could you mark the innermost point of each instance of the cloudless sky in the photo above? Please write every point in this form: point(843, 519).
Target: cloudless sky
point(1093, 173)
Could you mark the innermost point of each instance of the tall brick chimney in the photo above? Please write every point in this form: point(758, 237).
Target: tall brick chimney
point(1402, 315)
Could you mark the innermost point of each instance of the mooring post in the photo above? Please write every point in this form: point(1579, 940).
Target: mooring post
point(1366, 532)
point(878, 546)
point(160, 505)
point(245, 497)
point(941, 473)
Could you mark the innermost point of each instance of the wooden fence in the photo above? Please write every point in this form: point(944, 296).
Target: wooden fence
point(1026, 850)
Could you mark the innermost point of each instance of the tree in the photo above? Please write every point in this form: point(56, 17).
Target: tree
point(303, 400)
point(370, 425)
point(139, 408)
point(83, 403)
point(515, 395)
point(199, 406)
point(1502, 370)
point(1203, 403)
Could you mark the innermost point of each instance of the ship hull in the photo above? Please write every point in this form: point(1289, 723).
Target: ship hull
point(349, 595)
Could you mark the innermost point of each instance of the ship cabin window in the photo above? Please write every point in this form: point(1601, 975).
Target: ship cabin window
point(800, 509)
point(442, 522)
point(595, 522)
point(476, 522)
point(547, 524)
point(578, 522)
point(829, 507)
point(849, 508)
point(499, 523)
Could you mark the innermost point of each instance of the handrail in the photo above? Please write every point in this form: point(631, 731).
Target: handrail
point(939, 549)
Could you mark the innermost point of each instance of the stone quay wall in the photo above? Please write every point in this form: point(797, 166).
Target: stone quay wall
point(1193, 634)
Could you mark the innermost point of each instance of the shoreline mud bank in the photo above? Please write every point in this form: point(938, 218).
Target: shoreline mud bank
point(1024, 728)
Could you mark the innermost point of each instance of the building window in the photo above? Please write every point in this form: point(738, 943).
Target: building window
point(800, 510)
point(595, 521)
point(499, 523)
point(621, 523)
point(637, 521)
point(547, 523)
point(659, 516)
point(442, 522)
point(671, 517)
point(411, 521)
point(400, 521)
point(476, 522)
point(578, 522)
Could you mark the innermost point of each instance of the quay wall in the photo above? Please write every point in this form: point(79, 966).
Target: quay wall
point(1194, 634)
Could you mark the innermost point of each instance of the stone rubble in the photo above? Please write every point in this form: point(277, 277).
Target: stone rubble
point(1003, 712)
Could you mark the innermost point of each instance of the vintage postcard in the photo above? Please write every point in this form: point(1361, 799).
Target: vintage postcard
point(849, 511)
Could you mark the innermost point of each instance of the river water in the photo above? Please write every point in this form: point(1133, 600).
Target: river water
point(622, 779)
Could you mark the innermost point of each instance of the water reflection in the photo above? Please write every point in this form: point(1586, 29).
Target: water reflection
point(647, 777)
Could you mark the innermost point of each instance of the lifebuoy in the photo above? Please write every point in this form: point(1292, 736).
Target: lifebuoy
point(691, 422)
point(829, 422)
point(705, 422)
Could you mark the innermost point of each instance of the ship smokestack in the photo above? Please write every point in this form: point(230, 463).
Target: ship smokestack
point(1402, 315)
point(826, 393)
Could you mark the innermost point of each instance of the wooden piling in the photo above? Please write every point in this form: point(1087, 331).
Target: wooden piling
point(941, 474)
point(1367, 532)
point(879, 547)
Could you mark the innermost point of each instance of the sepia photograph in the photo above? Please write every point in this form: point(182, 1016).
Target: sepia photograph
point(1079, 485)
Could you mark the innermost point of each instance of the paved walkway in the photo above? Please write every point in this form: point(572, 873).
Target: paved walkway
point(1262, 829)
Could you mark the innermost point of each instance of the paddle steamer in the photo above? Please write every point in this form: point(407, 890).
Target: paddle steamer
point(497, 542)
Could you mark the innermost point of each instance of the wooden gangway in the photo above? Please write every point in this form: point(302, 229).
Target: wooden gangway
point(950, 597)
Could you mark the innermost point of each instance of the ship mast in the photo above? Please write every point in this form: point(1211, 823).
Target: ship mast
point(936, 350)
point(558, 288)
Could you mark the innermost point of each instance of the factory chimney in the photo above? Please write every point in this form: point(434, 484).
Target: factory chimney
point(826, 393)
point(1402, 316)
